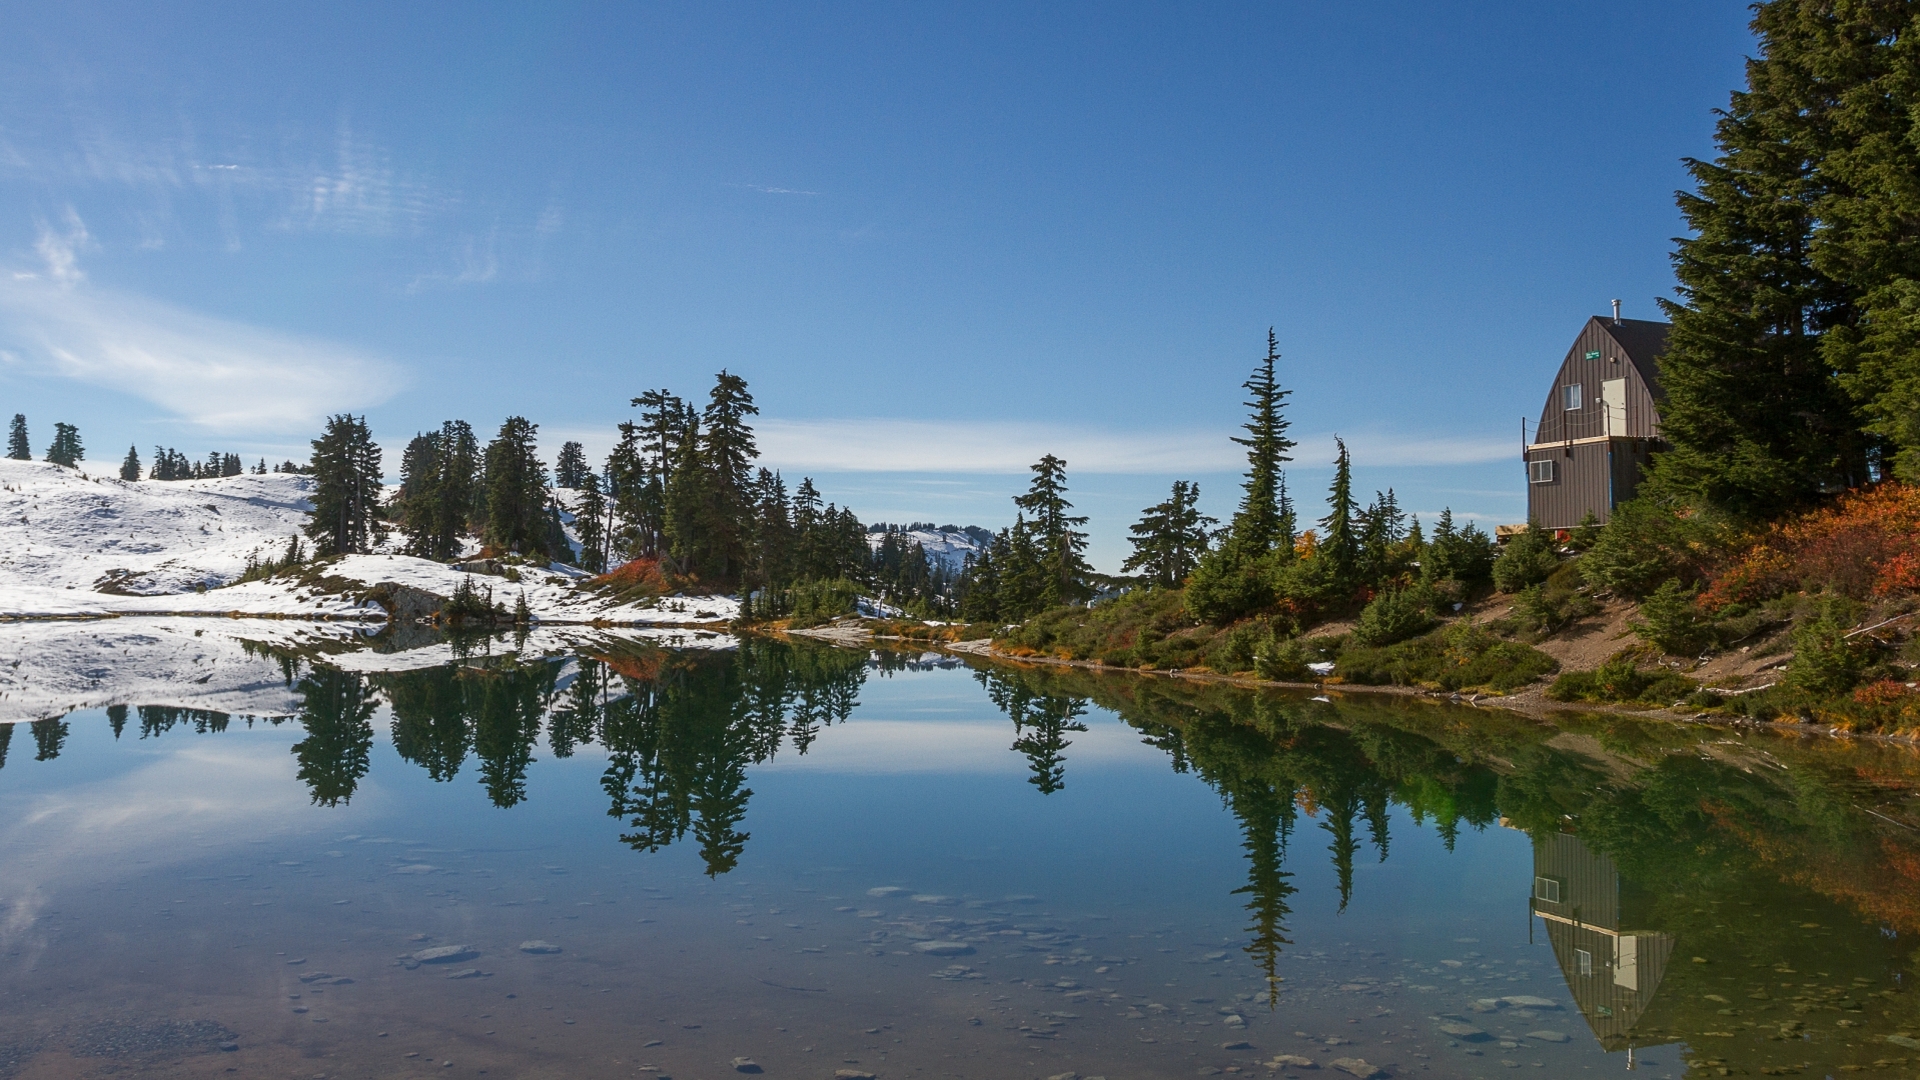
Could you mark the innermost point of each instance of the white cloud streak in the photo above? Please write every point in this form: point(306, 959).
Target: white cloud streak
point(208, 371)
point(933, 446)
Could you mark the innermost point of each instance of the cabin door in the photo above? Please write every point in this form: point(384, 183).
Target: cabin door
point(1613, 398)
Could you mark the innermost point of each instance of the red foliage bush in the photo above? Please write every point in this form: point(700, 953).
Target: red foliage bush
point(639, 577)
point(1866, 544)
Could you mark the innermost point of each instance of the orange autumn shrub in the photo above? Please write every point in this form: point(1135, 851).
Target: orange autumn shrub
point(640, 577)
point(1865, 545)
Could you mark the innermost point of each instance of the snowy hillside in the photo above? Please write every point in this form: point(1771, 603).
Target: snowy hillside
point(73, 545)
point(62, 530)
point(951, 548)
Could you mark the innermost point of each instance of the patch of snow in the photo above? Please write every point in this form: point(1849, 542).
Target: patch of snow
point(950, 549)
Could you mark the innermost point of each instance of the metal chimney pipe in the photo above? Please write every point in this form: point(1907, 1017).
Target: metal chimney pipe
point(1616, 313)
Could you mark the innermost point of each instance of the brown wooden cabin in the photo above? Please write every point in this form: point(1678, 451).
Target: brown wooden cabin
point(1601, 423)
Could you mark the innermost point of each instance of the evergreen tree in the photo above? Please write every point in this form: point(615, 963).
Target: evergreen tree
point(1235, 578)
point(689, 505)
point(17, 447)
point(66, 449)
point(729, 453)
point(517, 491)
point(570, 470)
point(1170, 537)
point(1256, 525)
point(414, 503)
point(346, 497)
point(1340, 544)
point(773, 537)
point(1059, 542)
point(1757, 418)
point(260, 469)
point(590, 524)
point(130, 468)
point(458, 489)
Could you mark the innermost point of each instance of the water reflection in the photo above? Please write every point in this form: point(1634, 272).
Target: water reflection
point(1752, 897)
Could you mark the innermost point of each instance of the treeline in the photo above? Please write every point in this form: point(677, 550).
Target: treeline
point(168, 464)
point(65, 449)
point(1261, 564)
point(680, 487)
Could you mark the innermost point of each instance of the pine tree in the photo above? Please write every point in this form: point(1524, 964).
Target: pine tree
point(346, 497)
point(458, 489)
point(66, 449)
point(1757, 418)
point(1256, 526)
point(570, 469)
point(1235, 578)
point(517, 491)
point(1170, 537)
point(130, 468)
point(1059, 541)
point(260, 469)
point(1340, 543)
point(729, 453)
point(773, 546)
point(590, 524)
point(230, 465)
point(17, 447)
point(414, 503)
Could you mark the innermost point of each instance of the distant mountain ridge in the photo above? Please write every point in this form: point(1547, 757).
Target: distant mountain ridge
point(948, 544)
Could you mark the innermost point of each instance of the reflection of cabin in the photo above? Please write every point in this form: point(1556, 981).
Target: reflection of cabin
point(1600, 425)
point(1611, 969)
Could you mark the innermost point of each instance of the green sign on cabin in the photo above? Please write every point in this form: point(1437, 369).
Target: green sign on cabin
point(1593, 356)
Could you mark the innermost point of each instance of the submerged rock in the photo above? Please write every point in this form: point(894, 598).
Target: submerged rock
point(943, 948)
point(1359, 1067)
point(1550, 1036)
point(539, 948)
point(745, 1065)
point(1528, 1001)
point(1464, 1032)
point(1292, 1061)
point(445, 954)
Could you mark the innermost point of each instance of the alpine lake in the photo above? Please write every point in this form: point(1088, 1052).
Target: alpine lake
point(800, 861)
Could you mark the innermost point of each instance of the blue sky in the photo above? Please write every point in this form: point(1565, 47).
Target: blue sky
point(938, 241)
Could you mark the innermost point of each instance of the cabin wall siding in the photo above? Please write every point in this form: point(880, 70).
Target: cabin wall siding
point(1598, 464)
point(1582, 483)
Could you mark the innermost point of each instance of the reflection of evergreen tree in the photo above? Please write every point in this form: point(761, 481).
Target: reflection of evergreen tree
point(117, 719)
point(336, 710)
point(431, 719)
point(576, 721)
point(1041, 723)
point(6, 738)
point(512, 701)
point(156, 720)
point(48, 737)
point(1266, 823)
point(680, 741)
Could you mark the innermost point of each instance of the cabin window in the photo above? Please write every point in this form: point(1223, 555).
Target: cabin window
point(1540, 472)
point(1570, 396)
point(1546, 889)
point(1585, 960)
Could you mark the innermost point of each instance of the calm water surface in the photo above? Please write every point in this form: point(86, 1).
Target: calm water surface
point(797, 862)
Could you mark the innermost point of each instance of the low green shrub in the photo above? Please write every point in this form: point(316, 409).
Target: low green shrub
point(1459, 657)
point(1619, 681)
point(1825, 660)
point(1527, 560)
point(811, 603)
point(1394, 615)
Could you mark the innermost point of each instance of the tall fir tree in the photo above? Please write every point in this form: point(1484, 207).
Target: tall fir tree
point(1060, 543)
point(65, 448)
point(17, 446)
point(729, 452)
point(590, 524)
point(414, 503)
point(517, 491)
point(1170, 537)
point(458, 491)
point(1756, 415)
point(1340, 545)
point(570, 469)
point(1235, 577)
point(347, 489)
point(130, 465)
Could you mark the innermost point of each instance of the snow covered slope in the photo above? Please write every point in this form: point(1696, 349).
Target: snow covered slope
point(950, 548)
point(73, 545)
point(62, 530)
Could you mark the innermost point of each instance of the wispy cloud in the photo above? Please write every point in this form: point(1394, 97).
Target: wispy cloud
point(932, 446)
point(208, 371)
point(773, 190)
